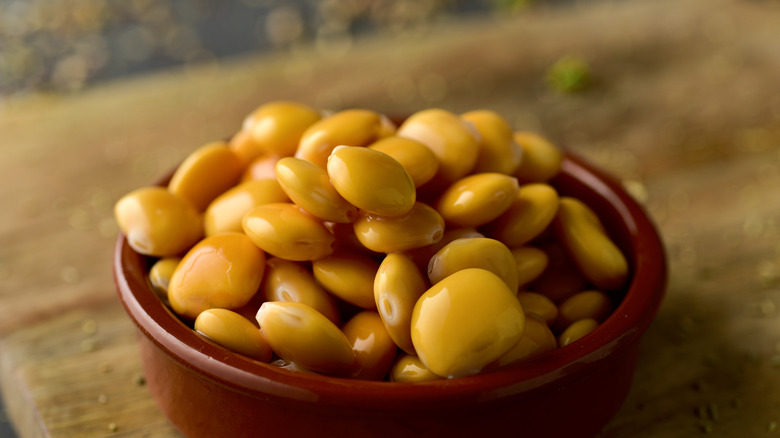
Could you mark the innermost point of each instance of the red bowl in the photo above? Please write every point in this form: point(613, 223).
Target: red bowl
point(208, 391)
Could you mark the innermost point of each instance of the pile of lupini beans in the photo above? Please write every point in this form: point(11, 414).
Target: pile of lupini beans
point(349, 245)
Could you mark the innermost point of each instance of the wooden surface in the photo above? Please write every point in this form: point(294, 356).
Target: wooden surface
point(684, 106)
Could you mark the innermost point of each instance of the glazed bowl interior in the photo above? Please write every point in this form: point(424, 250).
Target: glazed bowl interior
point(551, 373)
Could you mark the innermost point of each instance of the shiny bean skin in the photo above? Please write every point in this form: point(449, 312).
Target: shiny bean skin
point(541, 159)
point(498, 151)
point(561, 278)
point(160, 274)
point(531, 262)
point(465, 322)
point(158, 223)
point(234, 332)
point(349, 276)
point(539, 305)
point(454, 141)
point(262, 167)
point(371, 180)
point(537, 339)
point(227, 211)
point(599, 259)
point(244, 147)
point(298, 333)
point(419, 227)
point(421, 256)
point(397, 287)
point(477, 252)
point(309, 187)
point(284, 230)
point(418, 160)
point(530, 213)
point(277, 127)
point(224, 270)
point(353, 127)
point(374, 349)
point(477, 199)
point(587, 304)
point(576, 331)
point(285, 280)
point(206, 173)
point(410, 369)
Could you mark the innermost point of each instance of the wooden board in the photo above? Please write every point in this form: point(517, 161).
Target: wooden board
point(684, 105)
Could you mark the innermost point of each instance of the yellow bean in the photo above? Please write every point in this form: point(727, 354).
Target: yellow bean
point(454, 141)
point(160, 274)
point(587, 304)
point(599, 259)
point(244, 147)
point(262, 167)
point(418, 160)
point(353, 127)
point(561, 278)
point(298, 333)
point(397, 287)
point(420, 227)
point(410, 369)
point(226, 212)
point(158, 223)
point(206, 173)
point(371, 180)
point(465, 322)
point(477, 252)
point(477, 199)
point(532, 210)
point(286, 231)
point(576, 331)
point(531, 262)
point(541, 159)
point(234, 332)
point(224, 270)
point(498, 151)
point(309, 187)
point(277, 127)
point(539, 305)
point(374, 350)
point(285, 280)
point(537, 339)
point(421, 256)
point(349, 276)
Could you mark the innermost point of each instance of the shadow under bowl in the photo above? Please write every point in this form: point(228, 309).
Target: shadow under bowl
point(574, 391)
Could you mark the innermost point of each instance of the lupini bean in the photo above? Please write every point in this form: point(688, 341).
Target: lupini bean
point(234, 332)
point(477, 199)
point(576, 331)
point(371, 180)
point(374, 349)
point(224, 270)
point(160, 274)
point(537, 338)
point(541, 159)
point(599, 259)
point(498, 151)
point(309, 187)
point(419, 227)
point(286, 231)
point(531, 211)
point(418, 160)
point(227, 211)
point(353, 127)
point(410, 369)
point(285, 280)
point(349, 276)
point(476, 252)
point(531, 262)
point(587, 304)
point(465, 322)
point(300, 334)
point(561, 278)
point(539, 305)
point(206, 173)
point(158, 223)
point(262, 167)
point(277, 127)
point(397, 287)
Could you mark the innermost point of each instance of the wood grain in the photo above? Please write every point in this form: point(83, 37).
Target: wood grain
point(683, 106)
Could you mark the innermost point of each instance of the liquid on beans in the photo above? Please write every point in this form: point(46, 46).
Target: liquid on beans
point(347, 245)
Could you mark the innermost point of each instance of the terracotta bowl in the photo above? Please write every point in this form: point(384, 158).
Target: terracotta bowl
point(208, 391)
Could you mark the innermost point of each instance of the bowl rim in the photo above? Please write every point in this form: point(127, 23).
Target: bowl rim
point(622, 328)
